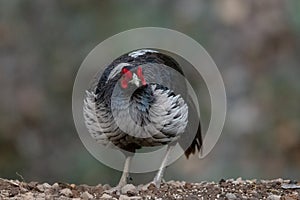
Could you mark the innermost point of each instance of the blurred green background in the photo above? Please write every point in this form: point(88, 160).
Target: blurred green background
point(255, 44)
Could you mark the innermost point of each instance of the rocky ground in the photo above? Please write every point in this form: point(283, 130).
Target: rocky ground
point(224, 189)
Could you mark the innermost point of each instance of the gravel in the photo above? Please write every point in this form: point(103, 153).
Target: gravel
point(224, 189)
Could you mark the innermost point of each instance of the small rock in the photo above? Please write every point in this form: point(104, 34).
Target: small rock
point(40, 188)
point(290, 186)
point(106, 187)
point(230, 196)
point(179, 190)
point(28, 196)
point(129, 189)
point(152, 187)
point(66, 192)
point(176, 183)
point(86, 195)
point(13, 192)
point(55, 186)
point(40, 196)
point(273, 197)
point(32, 185)
point(188, 185)
point(124, 197)
point(23, 190)
point(46, 186)
point(106, 196)
point(277, 180)
point(238, 181)
point(292, 196)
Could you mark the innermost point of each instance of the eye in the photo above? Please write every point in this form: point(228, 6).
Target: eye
point(125, 71)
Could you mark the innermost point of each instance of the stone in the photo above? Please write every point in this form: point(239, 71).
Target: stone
point(40, 188)
point(273, 197)
point(124, 197)
point(106, 187)
point(86, 196)
point(28, 196)
point(55, 186)
point(230, 196)
point(46, 185)
point(238, 181)
point(66, 192)
point(106, 196)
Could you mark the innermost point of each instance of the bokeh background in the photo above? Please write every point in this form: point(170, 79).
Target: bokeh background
point(255, 44)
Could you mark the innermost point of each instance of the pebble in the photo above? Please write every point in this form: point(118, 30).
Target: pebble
point(277, 180)
point(40, 197)
point(292, 196)
point(28, 196)
point(124, 197)
point(238, 181)
point(230, 196)
point(46, 185)
point(273, 197)
point(40, 188)
point(290, 186)
point(106, 196)
point(67, 192)
point(176, 183)
point(106, 187)
point(243, 189)
point(86, 196)
point(55, 186)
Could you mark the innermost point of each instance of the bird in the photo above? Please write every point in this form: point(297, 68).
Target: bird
point(141, 100)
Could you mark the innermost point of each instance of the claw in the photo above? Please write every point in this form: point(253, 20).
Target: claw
point(117, 189)
point(153, 184)
point(157, 183)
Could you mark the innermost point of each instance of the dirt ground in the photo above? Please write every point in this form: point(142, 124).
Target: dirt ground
point(224, 189)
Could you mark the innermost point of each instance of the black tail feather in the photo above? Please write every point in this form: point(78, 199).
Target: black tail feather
point(191, 140)
point(196, 144)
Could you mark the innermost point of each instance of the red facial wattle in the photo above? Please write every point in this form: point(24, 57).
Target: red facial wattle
point(141, 76)
point(127, 76)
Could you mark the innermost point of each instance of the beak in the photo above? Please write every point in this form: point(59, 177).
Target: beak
point(135, 80)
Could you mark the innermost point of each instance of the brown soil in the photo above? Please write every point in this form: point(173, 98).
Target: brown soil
point(225, 189)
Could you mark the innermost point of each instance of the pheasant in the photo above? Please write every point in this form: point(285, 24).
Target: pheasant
point(141, 100)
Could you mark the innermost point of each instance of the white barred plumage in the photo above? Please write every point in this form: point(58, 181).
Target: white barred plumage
point(130, 114)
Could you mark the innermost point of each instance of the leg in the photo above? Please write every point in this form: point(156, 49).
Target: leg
point(159, 175)
point(123, 180)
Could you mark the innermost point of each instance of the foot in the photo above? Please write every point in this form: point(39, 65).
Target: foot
point(155, 182)
point(116, 189)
